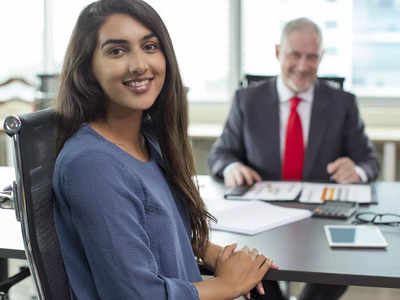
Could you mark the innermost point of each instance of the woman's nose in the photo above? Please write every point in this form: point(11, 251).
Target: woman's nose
point(137, 64)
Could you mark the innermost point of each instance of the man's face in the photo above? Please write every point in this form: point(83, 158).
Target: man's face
point(299, 56)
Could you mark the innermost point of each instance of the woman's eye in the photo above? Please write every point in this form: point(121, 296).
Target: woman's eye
point(115, 52)
point(152, 46)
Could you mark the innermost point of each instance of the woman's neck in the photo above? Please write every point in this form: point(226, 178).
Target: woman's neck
point(125, 133)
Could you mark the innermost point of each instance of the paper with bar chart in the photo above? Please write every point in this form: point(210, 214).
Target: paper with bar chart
point(320, 192)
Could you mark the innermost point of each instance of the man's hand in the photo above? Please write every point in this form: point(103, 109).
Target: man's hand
point(239, 174)
point(343, 171)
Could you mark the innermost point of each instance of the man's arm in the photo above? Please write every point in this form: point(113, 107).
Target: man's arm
point(227, 155)
point(356, 143)
point(229, 147)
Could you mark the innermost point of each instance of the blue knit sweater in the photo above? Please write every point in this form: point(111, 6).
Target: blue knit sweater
point(123, 234)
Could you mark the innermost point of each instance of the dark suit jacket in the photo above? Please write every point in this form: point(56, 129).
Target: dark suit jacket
point(251, 134)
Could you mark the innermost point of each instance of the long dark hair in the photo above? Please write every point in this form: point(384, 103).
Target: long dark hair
point(81, 99)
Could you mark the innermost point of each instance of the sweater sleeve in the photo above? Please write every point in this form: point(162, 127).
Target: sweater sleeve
point(107, 209)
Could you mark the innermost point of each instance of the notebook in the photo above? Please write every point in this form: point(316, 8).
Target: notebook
point(253, 217)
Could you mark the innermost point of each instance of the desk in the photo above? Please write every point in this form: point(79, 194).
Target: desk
point(303, 254)
point(11, 243)
point(300, 249)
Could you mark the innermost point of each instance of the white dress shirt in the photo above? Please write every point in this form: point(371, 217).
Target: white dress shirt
point(304, 110)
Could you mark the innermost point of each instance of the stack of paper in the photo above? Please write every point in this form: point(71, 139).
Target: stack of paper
point(310, 192)
point(253, 217)
point(270, 191)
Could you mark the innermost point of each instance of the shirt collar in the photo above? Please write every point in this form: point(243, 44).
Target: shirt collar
point(285, 94)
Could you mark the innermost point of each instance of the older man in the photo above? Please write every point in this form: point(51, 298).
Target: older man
point(295, 127)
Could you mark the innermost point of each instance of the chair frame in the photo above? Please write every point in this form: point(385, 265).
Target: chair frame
point(249, 78)
point(22, 196)
point(12, 126)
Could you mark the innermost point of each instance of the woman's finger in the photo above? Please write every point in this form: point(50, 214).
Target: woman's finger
point(260, 288)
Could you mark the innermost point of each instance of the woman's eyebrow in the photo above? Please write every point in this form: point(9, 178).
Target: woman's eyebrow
point(113, 41)
point(122, 41)
point(149, 36)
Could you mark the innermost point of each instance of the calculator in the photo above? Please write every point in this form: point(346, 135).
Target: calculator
point(335, 210)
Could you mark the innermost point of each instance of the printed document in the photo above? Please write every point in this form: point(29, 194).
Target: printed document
point(320, 192)
point(270, 191)
point(309, 192)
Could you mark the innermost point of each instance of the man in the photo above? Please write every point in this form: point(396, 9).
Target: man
point(295, 127)
point(253, 143)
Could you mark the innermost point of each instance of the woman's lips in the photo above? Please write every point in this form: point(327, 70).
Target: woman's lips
point(138, 86)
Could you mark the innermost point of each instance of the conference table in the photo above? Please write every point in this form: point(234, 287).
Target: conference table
point(301, 249)
point(11, 243)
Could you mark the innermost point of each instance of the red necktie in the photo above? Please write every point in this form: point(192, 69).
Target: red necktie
point(293, 157)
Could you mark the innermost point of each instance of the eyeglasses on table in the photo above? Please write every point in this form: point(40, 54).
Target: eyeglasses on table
point(377, 218)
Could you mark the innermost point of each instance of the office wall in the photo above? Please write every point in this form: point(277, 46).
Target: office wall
point(376, 111)
point(202, 146)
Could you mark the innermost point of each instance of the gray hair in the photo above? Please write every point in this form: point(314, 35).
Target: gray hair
point(301, 24)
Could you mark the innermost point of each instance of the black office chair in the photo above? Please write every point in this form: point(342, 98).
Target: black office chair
point(336, 82)
point(33, 136)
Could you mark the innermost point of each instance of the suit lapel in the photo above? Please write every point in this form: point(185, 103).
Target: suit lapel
point(318, 127)
point(273, 131)
point(263, 128)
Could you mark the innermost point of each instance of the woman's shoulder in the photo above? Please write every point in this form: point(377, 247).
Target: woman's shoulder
point(86, 147)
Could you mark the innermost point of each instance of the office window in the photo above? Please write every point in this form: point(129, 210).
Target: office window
point(376, 46)
point(201, 35)
point(263, 22)
point(21, 25)
point(361, 39)
point(63, 16)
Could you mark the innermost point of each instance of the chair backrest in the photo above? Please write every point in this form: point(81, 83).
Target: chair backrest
point(34, 136)
point(336, 82)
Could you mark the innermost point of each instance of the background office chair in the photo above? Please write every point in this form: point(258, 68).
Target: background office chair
point(33, 136)
point(8, 283)
point(336, 82)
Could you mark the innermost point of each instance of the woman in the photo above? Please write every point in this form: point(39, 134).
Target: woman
point(129, 218)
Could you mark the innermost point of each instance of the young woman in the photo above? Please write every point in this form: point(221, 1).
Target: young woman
point(129, 218)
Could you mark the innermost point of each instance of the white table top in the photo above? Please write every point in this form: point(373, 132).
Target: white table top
point(10, 228)
point(10, 231)
point(7, 176)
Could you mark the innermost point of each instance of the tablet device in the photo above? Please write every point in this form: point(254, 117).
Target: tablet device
point(363, 236)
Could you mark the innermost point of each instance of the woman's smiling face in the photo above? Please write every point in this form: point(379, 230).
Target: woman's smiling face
point(129, 64)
